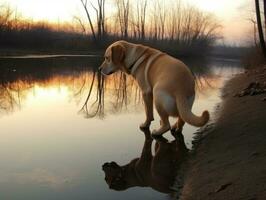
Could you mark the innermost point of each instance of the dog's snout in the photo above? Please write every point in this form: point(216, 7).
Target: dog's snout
point(101, 67)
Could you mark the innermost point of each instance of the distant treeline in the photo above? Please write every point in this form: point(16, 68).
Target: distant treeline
point(175, 28)
point(18, 33)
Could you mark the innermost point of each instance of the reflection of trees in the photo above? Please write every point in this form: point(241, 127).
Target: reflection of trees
point(211, 75)
point(12, 94)
point(116, 92)
point(18, 76)
point(201, 68)
point(99, 102)
point(15, 86)
point(100, 95)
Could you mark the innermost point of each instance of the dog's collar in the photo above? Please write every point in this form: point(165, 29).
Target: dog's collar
point(133, 67)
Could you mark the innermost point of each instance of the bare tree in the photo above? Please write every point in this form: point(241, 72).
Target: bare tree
point(259, 24)
point(81, 24)
point(100, 14)
point(264, 10)
point(154, 22)
point(254, 32)
point(141, 18)
point(162, 18)
point(123, 16)
point(84, 4)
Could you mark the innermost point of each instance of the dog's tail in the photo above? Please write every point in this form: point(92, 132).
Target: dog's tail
point(184, 106)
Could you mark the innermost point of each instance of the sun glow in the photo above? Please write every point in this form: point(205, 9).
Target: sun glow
point(209, 6)
point(48, 10)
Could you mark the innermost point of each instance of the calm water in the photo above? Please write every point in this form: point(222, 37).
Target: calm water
point(51, 147)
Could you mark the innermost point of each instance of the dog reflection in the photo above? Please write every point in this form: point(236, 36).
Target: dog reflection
point(157, 171)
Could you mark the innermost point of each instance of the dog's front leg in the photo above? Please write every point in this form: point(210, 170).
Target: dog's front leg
point(148, 104)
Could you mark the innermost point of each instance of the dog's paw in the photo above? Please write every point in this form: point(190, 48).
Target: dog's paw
point(160, 131)
point(156, 133)
point(145, 125)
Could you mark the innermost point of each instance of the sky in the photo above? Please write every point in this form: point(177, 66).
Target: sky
point(232, 14)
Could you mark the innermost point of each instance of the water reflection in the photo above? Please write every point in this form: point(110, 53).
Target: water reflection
point(158, 171)
point(11, 95)
point(20, 77)
point(110, 94)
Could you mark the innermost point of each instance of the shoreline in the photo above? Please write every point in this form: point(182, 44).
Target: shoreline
point(14, 52)
point(229, 157)
point(24, 52)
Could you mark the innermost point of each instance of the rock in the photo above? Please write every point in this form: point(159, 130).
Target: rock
point(254, 88)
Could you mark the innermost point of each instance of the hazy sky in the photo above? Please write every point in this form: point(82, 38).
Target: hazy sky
point(232, 14)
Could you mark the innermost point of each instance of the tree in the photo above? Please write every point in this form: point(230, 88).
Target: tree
point(84, 4)
point(100, 13)
point(264, 9)
point(259, 24)
point(123, 15)
point(141, 17)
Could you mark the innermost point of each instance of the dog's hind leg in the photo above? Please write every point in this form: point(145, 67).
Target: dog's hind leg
point(148, 103)
point(165, 125)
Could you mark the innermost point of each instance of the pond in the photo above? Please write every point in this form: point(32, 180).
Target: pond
point(54, 143)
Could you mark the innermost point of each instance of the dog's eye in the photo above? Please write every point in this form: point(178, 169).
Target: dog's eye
point(107, 58)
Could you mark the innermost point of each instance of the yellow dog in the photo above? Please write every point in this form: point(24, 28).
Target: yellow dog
point(163, 79)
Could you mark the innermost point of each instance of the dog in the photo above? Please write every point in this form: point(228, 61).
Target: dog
point(158, 172)
point(164, 80)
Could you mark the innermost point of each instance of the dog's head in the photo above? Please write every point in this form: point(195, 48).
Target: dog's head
point(115, 176)
point(114, 59)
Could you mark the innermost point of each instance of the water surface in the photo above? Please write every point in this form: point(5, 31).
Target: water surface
point(51, 148)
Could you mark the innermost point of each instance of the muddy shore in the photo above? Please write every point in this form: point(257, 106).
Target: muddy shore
point(229, 160)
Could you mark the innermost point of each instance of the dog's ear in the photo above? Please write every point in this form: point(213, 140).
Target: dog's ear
point(118, 53)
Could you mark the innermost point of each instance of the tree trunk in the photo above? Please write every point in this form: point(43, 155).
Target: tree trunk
point(260, 30)
point(264, 10)
point(143, 18)
point(103, 19)
point(89, 18)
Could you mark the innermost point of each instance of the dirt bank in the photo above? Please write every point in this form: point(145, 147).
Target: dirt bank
point(229, 162)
